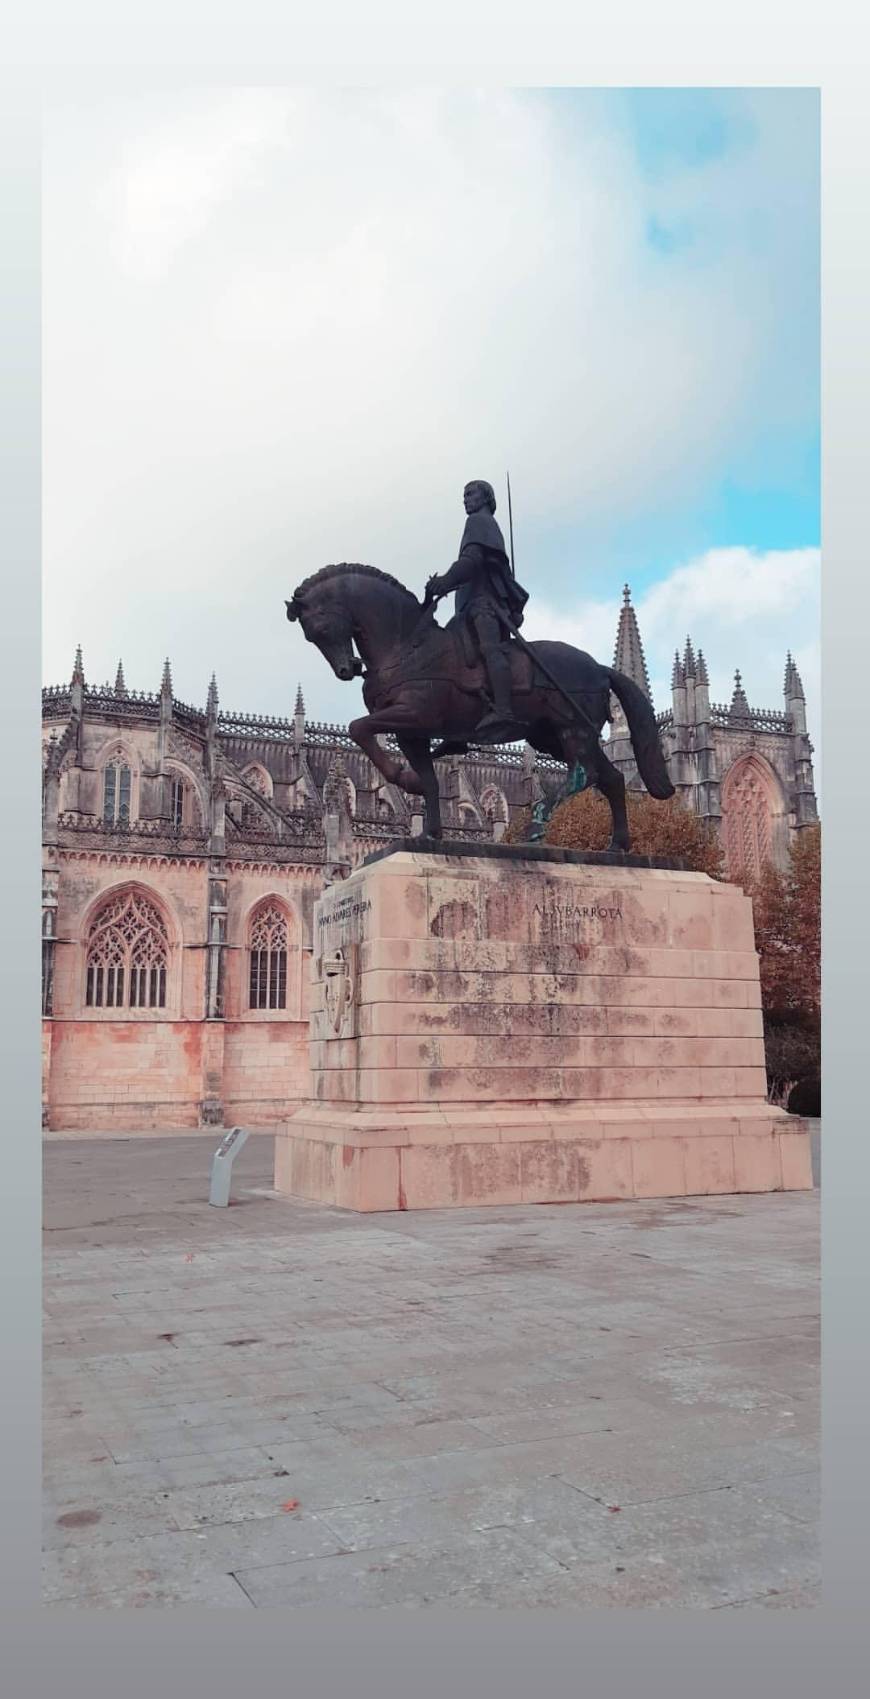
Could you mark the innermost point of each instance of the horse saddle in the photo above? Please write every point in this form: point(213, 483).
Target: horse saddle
point(467, 643)
point(472, 661)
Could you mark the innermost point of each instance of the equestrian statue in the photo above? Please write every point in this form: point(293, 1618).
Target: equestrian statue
point(475, 679)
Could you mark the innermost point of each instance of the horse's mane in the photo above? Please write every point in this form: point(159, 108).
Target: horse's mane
point(328, 572)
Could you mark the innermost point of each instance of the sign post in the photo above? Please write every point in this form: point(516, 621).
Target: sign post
point(222, 1166)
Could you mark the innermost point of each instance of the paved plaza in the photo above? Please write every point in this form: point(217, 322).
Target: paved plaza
point(279, 1404)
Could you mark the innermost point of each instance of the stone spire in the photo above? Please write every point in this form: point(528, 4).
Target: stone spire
point(803, 800)
point(299, 716)
point(628, 655)
point(77, 698)
point(707, 800)
point(336, 794)
point(792, 687)
point(120, 686)
point(211, 706)
point(165, 707)
point(739, 709)
point(689, 663)
point(795, 702)
point(678, 676)
point(337, 822)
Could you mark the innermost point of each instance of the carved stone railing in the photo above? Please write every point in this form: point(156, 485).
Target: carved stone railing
point(156, 835)
point(56, 699)
point(322, 736)
point(310, 851)
point(270, 727)
point(302, 825)
point(185, 715)
point(758, 719)
point(104, 699)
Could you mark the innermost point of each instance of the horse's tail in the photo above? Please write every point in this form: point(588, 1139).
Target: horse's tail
point(644, 734)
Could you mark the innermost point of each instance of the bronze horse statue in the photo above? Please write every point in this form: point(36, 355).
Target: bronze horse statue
point(420, 683)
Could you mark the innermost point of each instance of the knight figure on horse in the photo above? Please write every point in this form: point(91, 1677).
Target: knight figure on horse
point(489, 601)
point(475, 679)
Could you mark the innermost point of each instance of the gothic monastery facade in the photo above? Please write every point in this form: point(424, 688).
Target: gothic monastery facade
point(183, 850)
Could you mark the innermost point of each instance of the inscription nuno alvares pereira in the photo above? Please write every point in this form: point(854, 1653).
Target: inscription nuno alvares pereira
point(349, 908)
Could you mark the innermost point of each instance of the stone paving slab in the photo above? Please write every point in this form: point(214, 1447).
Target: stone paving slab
point(535, 1407)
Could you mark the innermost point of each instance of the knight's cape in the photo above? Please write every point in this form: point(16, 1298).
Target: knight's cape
point(483, 530)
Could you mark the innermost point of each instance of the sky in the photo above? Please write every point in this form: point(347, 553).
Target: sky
point(285, 327)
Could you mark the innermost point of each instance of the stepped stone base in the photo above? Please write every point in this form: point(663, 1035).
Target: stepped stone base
point(513, 1030)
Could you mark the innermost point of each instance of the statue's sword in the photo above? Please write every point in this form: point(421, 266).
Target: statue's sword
point(511, 524)
point(536, 661)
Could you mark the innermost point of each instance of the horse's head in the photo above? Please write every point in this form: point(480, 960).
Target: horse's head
point(328, 624)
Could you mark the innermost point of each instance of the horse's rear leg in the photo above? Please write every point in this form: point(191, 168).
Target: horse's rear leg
point(579, 747)
point(611, 784)
point(417, 753)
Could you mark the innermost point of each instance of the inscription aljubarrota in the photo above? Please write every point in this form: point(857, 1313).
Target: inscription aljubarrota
point(567, 922)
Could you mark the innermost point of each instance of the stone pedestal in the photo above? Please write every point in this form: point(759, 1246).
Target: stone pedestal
point(511, 1027)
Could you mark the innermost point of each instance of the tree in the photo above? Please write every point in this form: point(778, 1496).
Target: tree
point(668, 829)
point(771, 914)
point(787, 913)
point(806, 877)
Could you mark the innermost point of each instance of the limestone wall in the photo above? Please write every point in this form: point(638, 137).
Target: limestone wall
point(173, 1067)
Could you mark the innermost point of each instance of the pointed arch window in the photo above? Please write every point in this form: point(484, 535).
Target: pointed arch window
point(128, 955)
point(47, 960)
point(494, 805)
point(268, 958)
point(178, 803)
point(748, 808)
point(117, 786)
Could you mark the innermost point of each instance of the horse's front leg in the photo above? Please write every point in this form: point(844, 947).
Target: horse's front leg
point(365, 732)
point(417, 751)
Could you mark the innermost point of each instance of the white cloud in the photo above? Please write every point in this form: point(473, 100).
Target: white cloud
point(168, 183)
point(743, 607)
point(733, 587)
point(284, 327)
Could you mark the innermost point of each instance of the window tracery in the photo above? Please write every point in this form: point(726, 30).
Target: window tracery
point(177, 803)
point(494, 805)
point(258, 780)
point(748, 820)
point(117, 790)
point(268, 958)
point(127, 956)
